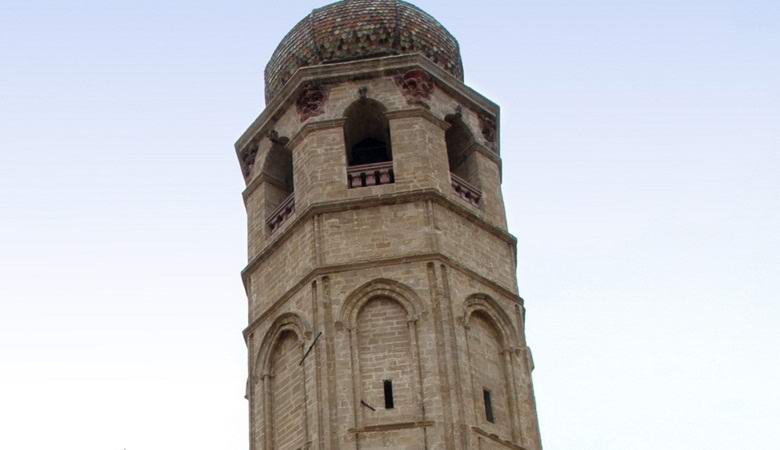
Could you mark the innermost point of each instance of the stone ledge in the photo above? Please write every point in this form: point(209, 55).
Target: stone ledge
point(257, 181)
point(311, 127)
point(373, 201)
point(496, 439)
point(418, 112)
point(393, 426)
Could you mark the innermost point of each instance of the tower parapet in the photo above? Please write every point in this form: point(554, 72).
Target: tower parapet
point(383, 303)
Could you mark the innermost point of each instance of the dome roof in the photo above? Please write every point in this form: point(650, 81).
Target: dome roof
point(359, 29)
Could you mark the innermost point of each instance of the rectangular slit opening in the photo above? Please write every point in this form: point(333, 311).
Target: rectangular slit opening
point(389, 401)
point(488, 406)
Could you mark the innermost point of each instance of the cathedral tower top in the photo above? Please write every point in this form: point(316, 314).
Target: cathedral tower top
point(359, 29)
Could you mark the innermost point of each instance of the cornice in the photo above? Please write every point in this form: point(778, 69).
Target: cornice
point(311, 127)
point(494, 437)
point(257, 181)
point(418, 112)
point(369, 202)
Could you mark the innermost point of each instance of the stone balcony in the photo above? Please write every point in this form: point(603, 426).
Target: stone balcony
point(465, 190)
point(281, 213)
point(370, 174)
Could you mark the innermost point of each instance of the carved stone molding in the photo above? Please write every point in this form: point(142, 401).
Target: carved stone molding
point(495, 438)
point(417, 86)
point(311, 101)
point(248, 159)
point(393, 426)
point(488, 127)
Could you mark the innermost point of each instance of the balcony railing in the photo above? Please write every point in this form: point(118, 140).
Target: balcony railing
point(466, 190)
point(370, 174)
point(281, 213)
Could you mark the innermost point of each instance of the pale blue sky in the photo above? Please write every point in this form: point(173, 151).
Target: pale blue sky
point(641, 147)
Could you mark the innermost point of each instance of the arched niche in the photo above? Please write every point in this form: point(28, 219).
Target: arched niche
point(381, 322)
point(380, 287)
point(491, 308)
point(279, 391)
point(367, 133)
point(490, 340)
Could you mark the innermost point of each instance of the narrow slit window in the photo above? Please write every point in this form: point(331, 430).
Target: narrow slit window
point(488, 406)
point(389, 401)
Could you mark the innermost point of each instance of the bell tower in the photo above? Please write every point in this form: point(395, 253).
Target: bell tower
point(383, 303)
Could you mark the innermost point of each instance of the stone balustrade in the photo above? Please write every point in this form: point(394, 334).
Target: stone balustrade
point(281, 213)
point(466, 190)
point(370, 174)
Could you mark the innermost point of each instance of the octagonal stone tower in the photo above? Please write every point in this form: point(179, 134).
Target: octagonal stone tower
point(383, 304)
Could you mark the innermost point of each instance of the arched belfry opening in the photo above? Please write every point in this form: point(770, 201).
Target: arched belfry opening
point(464, 170)
point(367, 133)
point(368, 145)
point(280, 195)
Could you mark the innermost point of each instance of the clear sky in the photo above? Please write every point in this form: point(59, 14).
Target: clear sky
point(641, 149)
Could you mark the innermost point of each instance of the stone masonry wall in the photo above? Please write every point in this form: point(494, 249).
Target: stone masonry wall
point(319, 156)
point(405, 282)
point(384, 349)
point(287, 394)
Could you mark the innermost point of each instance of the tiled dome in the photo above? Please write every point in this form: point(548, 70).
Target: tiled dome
point(359, 29)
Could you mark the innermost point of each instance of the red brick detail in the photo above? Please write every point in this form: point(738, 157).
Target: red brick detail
point(416, 85)
point(311, 101)
point(357, 29)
